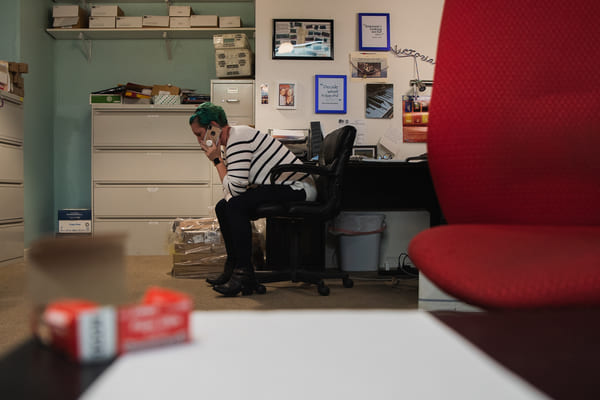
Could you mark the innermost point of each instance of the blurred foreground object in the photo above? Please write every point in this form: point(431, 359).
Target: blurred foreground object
point(88, 332)
point(77, 289)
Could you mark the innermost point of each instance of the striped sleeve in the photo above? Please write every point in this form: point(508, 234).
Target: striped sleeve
point(250, 156)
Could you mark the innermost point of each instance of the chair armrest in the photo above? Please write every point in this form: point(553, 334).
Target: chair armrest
point(277, 170)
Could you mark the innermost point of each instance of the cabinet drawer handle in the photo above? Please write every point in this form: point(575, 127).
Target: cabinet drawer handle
point(152, 189)
point(233, 100)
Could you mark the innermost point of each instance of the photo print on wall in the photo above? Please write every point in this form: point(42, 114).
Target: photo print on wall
point(380, 101)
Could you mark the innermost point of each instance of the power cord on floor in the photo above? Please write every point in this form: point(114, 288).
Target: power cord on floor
point(406, 267)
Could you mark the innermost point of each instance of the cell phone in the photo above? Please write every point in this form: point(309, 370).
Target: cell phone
point(212, 135)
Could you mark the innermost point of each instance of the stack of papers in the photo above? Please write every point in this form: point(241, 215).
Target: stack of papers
point(289, 135)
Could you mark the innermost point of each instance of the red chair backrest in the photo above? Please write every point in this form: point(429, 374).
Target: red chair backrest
point(514, 133)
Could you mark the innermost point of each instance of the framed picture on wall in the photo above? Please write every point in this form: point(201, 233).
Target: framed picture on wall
point(303, 39)
point(330, 94)
point(286, 97)
point(374, 31)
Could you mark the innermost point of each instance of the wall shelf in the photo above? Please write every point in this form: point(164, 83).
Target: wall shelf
point(144, 33)
point(154, 1)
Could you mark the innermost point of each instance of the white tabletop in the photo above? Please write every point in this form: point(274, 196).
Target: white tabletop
point(370, 354)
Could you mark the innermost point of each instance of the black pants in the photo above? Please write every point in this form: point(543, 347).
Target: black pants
point(234, 218)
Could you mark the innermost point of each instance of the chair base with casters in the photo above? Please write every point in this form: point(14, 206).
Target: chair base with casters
point(329, 171)
point(294, 273)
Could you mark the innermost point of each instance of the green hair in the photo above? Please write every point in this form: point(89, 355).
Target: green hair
point(207, 112)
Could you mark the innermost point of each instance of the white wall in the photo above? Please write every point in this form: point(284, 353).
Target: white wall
point(413, 24)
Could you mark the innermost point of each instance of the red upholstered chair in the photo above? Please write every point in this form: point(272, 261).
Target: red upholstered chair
point(514, 152)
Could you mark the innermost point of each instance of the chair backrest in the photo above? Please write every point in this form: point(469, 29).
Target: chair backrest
point(514, 132)
point(316, 138)
point(335, 153)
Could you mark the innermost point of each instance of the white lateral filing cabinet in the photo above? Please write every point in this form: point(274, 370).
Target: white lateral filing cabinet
point(12, 227)
point(147, 170)
point(236, 96)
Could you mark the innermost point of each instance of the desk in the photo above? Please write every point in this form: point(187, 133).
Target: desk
point(367, 186)
point(350, 354)
point(390, 186)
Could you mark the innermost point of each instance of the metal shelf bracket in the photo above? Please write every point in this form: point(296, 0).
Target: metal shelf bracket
point(87, 46)
point(168, 45)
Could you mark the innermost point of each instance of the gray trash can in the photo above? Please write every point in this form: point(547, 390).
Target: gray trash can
point(359, 240)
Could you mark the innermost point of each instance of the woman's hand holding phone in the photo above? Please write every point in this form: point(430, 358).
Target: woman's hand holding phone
point(211, 152)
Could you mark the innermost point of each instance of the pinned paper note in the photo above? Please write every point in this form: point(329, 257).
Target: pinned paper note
point(392, 140)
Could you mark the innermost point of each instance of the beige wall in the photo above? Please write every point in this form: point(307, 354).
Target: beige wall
point(414, 24)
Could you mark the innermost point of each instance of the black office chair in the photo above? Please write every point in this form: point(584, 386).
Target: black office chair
point(328, 172)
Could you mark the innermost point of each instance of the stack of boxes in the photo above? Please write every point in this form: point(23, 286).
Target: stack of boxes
point(233, 57)
point(111, 16)
point(69, 16)
point(179, 16)
point(104, 16)
point(198, 249)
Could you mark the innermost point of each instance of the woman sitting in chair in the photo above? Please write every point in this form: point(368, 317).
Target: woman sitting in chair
point(244, 168)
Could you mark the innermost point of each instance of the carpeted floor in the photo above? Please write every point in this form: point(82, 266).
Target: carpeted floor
point(369, 291)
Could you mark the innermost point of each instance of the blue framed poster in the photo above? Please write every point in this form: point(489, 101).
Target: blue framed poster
point(330, 94)
point(374, 31)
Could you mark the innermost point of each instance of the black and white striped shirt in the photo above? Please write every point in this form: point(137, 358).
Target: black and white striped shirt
point(249, 157)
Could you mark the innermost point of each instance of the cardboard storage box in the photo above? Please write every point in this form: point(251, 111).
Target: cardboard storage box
point(180, 11)
point(231, 41)
point(165, 89)
point(75, 220)
point(102, 22)
point(129, 22)
point(107, 10)
point(155, 21)
point(70, 22)
point(67, 10)
point(234, 62)
point(105, 98)
point(166, 99)
point(165, 94)
point(230, 22)
point(202, 21)
point(179, 22)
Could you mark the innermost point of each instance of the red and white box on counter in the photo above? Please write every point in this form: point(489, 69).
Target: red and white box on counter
point(88, 332)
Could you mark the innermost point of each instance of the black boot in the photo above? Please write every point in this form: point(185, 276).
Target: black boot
point(242, 280)
point(225, 276)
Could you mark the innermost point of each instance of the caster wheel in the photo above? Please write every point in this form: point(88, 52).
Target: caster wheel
point(261, 289)
point(348, 283)
point(323, 290)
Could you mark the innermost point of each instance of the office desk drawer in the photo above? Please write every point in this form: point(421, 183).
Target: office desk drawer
point(12, 202)
point(151, 200)
point(143, 236)
point(142, 127)
point(151, 166)
point(12, 241)
point(11, 163)
point(11, 118)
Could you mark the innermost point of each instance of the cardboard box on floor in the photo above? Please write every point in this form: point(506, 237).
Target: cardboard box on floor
point(91, 268)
